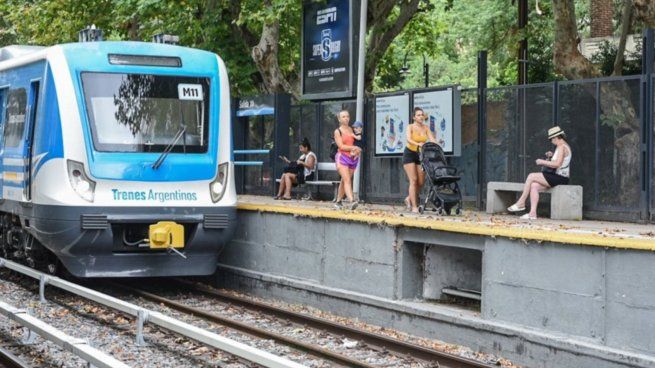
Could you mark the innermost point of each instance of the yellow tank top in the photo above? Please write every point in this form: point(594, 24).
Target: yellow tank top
point(419, 137)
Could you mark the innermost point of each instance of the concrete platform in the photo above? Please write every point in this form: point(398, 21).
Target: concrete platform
point(595, 233)
point(552, 293)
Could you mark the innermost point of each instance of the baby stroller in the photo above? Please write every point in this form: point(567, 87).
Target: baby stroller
point(442, 180)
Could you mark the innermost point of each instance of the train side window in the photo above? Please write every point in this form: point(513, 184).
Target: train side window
point(15, 116)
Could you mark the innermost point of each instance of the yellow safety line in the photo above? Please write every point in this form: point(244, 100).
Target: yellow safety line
point(542, 235)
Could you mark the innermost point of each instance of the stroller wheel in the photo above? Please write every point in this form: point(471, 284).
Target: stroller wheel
point(421, 209)
point(441, 211)
point(458, 211)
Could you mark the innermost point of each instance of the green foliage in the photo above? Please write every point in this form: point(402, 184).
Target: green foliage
point(447, 33)
point(606, 56)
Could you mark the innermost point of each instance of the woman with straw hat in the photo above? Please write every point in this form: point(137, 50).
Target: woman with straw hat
point(555, 171)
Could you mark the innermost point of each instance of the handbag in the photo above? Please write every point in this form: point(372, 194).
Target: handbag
point(334, 148)
point(292, 167)
point(546, 169)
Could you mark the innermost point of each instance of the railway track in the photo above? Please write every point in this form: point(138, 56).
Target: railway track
point(375, 341)
point(8, 360)
point(207, 339)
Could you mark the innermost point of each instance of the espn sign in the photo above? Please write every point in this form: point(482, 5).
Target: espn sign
point(326, 16)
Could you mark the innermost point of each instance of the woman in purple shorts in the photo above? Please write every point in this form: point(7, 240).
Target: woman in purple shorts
point(346, 159)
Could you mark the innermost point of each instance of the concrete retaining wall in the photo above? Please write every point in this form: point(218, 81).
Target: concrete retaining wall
point(579, 306)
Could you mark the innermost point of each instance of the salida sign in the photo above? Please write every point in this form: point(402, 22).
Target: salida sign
point(327, 56)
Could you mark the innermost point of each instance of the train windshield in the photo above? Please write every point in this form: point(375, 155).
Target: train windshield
point(143, 113)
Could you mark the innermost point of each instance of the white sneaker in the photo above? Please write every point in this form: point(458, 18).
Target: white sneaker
point(528, 217)
point(515, 208)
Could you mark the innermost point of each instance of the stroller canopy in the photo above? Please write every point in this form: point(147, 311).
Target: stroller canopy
point(432, 152)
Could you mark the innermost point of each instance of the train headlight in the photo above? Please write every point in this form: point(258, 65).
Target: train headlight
point(217, 187)
point(81, 183)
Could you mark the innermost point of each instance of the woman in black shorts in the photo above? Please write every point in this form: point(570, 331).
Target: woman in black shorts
point(555, 171)
point(417, 134)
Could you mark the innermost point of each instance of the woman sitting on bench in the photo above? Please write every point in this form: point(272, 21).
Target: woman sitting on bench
point(297, 172)
point(554, 171)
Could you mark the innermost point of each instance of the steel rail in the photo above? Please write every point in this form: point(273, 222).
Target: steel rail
point(9, 360)
point(168, 323)
point(384, 342)
point(310, 348)
point(79, 347)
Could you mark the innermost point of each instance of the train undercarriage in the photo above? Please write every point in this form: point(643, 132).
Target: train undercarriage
point(19, 245)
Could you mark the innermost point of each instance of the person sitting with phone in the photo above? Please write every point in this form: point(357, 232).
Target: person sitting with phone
point(297, 172)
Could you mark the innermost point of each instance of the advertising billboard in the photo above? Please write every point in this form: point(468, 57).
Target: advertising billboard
point(328, 49)
point(438, 109)
point(391, 119)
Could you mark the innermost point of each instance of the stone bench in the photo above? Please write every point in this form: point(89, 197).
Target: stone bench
point(565, 200)
point(320, 167)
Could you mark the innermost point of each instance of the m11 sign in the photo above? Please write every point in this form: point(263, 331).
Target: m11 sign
point(328, 48)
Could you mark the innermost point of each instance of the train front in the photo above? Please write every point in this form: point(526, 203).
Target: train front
point(143, 181)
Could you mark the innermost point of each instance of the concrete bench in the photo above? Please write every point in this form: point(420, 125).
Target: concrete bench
point(321, 167)
point(565, 200)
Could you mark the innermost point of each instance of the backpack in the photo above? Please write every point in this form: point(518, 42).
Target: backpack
point(334, 148)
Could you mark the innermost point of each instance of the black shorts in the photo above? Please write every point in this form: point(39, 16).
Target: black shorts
point(411, 157)
point(554, 179)
point(302, 179)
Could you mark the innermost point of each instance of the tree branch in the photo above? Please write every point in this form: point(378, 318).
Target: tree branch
point(383, 31)
point(626, 20)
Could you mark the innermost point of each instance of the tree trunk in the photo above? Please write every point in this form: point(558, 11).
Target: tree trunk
point(265, 55)
point(616, 107)
point(566, 57)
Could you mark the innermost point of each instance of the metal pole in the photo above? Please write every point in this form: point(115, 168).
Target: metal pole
point(426, 72)
point(482, 125)
point(647, 68)
point(523, 43)
point(359, 114)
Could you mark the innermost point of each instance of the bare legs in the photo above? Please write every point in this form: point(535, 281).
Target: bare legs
point(534, 184)
point(286, 182)
point(345, 186)
point(416, 179)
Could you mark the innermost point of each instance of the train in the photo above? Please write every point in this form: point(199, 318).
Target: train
point(116, 159)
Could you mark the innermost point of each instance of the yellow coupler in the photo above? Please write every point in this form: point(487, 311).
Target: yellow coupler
point(166, 234)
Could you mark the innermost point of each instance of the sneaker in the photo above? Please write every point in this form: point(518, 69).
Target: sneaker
point(515, 208)
point(354, 205)
point(528, 217)
point(338, 205)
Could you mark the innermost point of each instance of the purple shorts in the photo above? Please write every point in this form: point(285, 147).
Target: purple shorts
point(347, 160)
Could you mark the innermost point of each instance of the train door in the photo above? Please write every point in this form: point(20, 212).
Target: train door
point(3, 100)
point(29, 136)
point(13, 163)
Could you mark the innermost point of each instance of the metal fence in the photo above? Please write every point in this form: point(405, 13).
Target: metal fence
point(602, 118)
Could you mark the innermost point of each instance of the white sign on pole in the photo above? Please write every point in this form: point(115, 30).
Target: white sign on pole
point(391, 120)
point(438, 109)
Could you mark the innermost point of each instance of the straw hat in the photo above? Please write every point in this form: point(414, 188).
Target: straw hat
point(555, 131)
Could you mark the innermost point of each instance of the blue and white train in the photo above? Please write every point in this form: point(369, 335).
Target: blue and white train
point(116, 158)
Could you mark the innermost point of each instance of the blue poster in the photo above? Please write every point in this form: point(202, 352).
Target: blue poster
point(327, 70)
